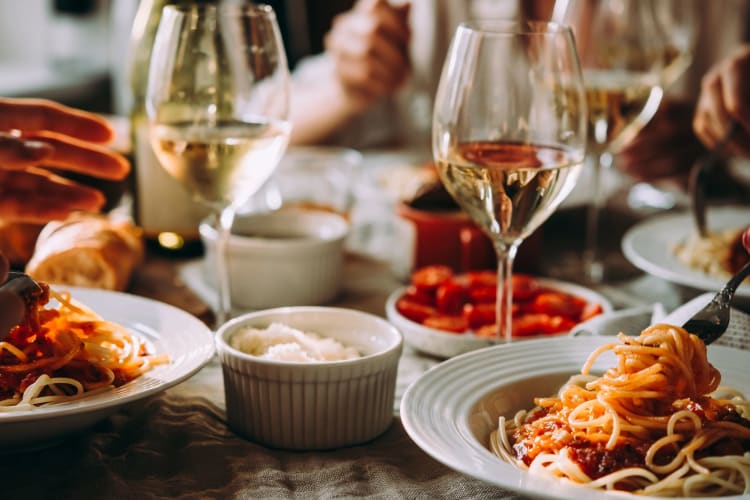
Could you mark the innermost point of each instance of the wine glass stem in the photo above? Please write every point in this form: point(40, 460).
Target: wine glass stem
point(593, 266)
point(506, 254)
point(224, 223)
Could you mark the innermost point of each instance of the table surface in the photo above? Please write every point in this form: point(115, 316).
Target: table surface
point(177, 444)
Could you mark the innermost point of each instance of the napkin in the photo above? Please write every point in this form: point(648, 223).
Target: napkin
point(633, 320)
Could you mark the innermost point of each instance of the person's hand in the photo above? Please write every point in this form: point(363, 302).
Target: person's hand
point(370, 48)
point(36, 133)
point(666, 146)
point(746, 239)
point(11, 305)
point(725, 99)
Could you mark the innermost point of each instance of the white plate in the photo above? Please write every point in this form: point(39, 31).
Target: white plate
point(450, 411)
point(649, 246)
point(446, 344)
point(169, 330)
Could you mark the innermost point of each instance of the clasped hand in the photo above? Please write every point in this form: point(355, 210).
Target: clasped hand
point(37, 133)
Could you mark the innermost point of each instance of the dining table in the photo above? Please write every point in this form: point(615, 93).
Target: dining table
point(177, 444)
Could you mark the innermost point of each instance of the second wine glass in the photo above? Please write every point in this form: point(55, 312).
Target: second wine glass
point(217, 102)
point(509, 132)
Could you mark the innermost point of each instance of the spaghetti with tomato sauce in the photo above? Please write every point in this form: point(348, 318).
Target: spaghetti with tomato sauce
point(64, 353)
point(657, 423)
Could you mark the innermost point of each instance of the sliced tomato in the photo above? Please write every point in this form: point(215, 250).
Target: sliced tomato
point(478, 315)
point(524, 287)
point(527, 325)
point(414, 310)
point(590, 310)
point(487, 331)
point(418, 295)
point(559, 304)
point(559, 324)
point(483, 294)
point(447, 323)
point(429, 278)
point(450, 297)
point(482, 278)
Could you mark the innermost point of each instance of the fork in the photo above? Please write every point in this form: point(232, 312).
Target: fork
point(698, 173)
point(712, 321)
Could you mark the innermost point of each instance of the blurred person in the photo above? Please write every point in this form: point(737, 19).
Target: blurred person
point(724, 103)
point(35, 134)
point(374, 83)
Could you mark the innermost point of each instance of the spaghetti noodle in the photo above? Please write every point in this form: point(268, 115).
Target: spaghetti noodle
point(657, 423)
point(64, 353)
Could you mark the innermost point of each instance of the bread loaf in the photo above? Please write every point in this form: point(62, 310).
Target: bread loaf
point(87, 250)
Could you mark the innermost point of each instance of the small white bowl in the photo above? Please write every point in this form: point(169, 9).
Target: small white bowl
point(312, 406)
point(282, 258)
point(446, 344)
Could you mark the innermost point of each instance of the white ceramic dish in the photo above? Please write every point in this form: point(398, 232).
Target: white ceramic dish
point(450, 411)
point(446, 344)
point(312, 406)
point(282, 258)
point(170, 330)
point(649, 246)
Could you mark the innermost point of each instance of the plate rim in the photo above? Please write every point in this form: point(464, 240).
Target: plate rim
point(520, 481)
point(681, 274)
point(203, 354)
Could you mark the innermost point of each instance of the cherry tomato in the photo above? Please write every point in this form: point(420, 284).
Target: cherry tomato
point(482, 278)
point(450, 297)
point(559, 304)
point(559, 324)
point(428, 278)
point(524, 287)
point(531, 324)
point(483, 294)
point(414, 310)
point(418, 295)
point(487, 331)
point(590, 310)
point(478, 315)
point(447, 323)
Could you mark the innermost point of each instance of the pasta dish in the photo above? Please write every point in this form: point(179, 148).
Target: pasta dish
point(60, 354)
point(719, 254)
point(656, 423)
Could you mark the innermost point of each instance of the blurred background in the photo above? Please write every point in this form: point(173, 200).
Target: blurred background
point(75, 51)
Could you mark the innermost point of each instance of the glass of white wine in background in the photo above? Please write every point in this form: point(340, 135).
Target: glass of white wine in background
point(509, 132)
point(217, 101)
point(629, 50)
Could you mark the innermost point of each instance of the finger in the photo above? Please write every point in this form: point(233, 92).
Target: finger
point(19, 153)
point(82, 157)
point(380, 17)
point(38, 196)
point(39, 114)
point(746, 239)
point(711, 120)
point(360, 78)
point(734, 84)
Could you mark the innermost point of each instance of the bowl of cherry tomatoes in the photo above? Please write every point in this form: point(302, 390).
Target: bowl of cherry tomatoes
point(444, 313)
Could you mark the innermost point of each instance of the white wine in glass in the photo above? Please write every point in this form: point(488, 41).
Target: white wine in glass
point(509, 132)
point(629, 51)
point(217, 102)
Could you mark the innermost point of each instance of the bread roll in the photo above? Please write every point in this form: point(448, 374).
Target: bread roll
point(87, 250)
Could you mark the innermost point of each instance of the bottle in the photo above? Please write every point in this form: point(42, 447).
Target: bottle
point(167, 213)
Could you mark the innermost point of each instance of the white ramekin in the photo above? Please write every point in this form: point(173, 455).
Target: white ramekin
point(312, 406)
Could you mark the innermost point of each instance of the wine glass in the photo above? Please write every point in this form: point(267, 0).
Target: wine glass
point(217, 101)
point(509, 132)
point(629, 50)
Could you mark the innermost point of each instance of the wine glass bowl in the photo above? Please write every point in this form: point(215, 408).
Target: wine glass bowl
point(509, 132)
point(217, 101)
point(630, 50)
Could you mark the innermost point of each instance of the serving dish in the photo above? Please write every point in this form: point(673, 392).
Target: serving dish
point(649, 245)
point(450, 411)
point(446, 344)
point(188, 342)
point(312, 405)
